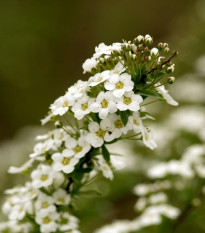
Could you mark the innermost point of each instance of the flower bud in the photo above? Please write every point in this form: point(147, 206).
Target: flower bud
point(102, 59)
point(139, 39)
point(171, 80)
point(146, 50)
point(148, 39)
point(140, 47)
point(58, 124)
point(154, 52)
point(160, 46)
point(166, 50)
point(161, 59)
point(170, 69)
point(147, 58)
point(134, 56)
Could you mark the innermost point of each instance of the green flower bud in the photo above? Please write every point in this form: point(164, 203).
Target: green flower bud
point(171, 80)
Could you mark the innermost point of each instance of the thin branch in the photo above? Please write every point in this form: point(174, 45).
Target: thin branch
point(165, 62)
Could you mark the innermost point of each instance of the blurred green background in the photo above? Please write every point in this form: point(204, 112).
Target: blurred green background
point(42, 47)
point(44, 43)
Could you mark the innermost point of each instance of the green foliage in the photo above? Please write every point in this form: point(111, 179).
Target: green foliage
point(106, 154)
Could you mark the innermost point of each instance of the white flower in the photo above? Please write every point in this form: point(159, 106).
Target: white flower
point(89, 64)
point(119, 68)
point(119, 84)
point(47, 223)
point(18, 212)
point(67, 222)
point(23, 168)
point(78, 89)
point(41, 148)
point(138, 127)
point(58, 136)
point(62, 104)
point(154, 52)
point(44, 205)
point(119, 126)
point(99, 78)
point(104, 104)
point(157, 198)
point(141, 203)
point(82, 107)
point(43, 176)
point(77, 147)
point(61, 197)
point(104, 49)
point(101, 165)
point(64, 161)
point(136, 122)
point(129, 101)
point(100, 132)
point(166, 96)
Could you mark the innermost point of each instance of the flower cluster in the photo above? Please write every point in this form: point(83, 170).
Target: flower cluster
point(110, 106)
point(181, 178)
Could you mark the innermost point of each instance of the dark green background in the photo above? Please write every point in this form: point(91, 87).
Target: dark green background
point(44, 43)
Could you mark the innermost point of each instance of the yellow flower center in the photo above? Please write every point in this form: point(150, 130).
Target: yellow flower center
point(77, 149)
point(44, 177)
point(61, 200)
point(99, 79)
point(127, 100)
point(46, 220)
point(65, 104)
point(118, 124)
point(84, 106)
point(104, 103)
point(119, 85)
point(136, 122)
point(44, 205)
point(146, 137)
point(101, 133)
point(64, 221)
point(65, 161)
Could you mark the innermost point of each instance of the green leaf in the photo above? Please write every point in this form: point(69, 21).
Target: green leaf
point(159, 75)
point(106, 154)
point(90, 193)
point(113, 141)
point(124, 117)
point(137, 72)
point(151, 93)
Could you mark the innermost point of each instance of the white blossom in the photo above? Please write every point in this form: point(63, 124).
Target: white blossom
point(119, 84)
point(68, 222)
point(77, 147)
point(99, 78)
point(43, 176)
point(89, 64)
point(129, 101)
point(104, 104)
point(61, 197)
point(82, 107)
point(64, 161)
point(44, 205)
point(47, 223)
point(166, 96)
point(101, 132)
